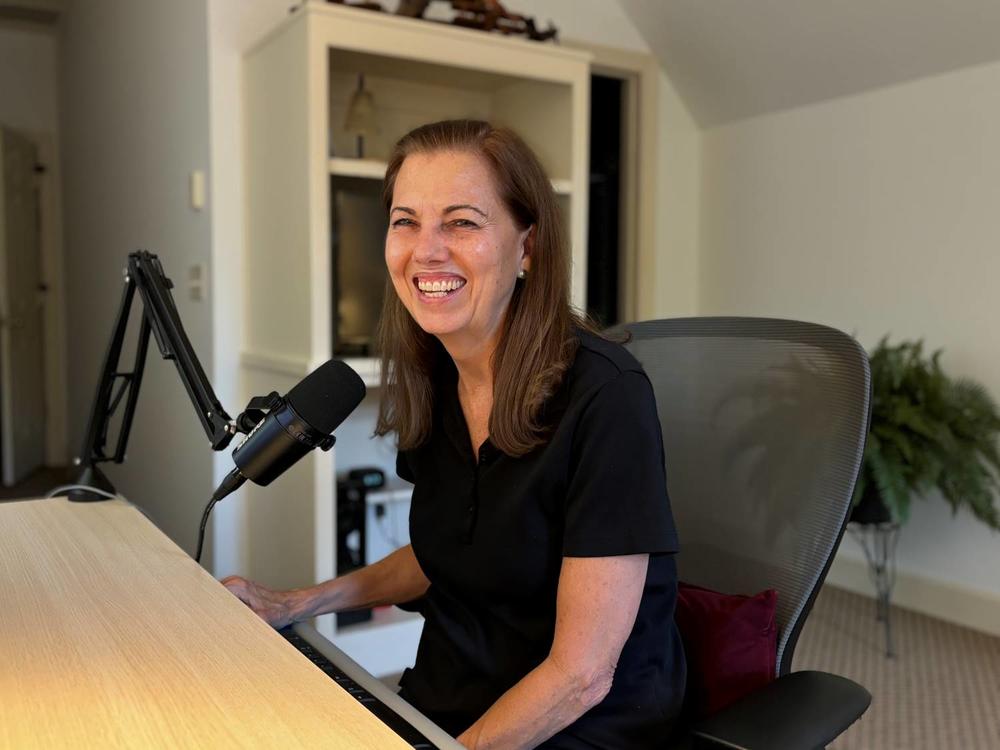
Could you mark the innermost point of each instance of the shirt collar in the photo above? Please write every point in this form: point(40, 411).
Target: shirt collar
point(453, 420)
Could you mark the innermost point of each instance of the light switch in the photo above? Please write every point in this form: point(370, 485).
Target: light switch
point(198, 189)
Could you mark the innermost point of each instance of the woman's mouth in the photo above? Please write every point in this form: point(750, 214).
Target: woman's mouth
point(438, 287)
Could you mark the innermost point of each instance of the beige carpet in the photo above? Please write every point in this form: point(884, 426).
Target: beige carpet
point(941, 691)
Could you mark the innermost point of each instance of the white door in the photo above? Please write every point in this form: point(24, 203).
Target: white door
point(22, 375)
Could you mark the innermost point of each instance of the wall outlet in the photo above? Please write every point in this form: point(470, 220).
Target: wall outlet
point(197, 282)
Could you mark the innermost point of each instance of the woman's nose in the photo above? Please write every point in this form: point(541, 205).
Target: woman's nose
point(430, 247)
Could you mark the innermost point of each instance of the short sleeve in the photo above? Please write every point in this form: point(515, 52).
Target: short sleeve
point(617, 501)
point(403, 467)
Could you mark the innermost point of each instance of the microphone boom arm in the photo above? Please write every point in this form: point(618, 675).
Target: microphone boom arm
point(145, 274)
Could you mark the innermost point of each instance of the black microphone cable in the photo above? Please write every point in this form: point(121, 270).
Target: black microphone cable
point(233, 481)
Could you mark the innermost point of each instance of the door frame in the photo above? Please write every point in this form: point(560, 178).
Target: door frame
point(53, 263)
point(54, 307)
point(640, 76)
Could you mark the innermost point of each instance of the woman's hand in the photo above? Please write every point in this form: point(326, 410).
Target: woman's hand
point(276, 608)
point(392, 580)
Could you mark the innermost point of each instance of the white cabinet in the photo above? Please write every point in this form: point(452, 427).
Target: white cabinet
point(298, 82)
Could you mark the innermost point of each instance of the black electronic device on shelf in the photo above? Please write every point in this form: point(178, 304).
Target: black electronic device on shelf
point(352, 542)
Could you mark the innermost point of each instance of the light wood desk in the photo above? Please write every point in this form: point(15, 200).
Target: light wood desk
point(111, 636)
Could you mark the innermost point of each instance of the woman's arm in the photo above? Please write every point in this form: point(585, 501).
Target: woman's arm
point(596, 606)
point(394, 579)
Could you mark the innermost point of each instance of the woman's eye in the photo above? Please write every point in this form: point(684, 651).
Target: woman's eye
point(465, 224)
point(402, 222)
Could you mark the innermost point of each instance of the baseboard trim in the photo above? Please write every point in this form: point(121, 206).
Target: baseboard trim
point(962, 605)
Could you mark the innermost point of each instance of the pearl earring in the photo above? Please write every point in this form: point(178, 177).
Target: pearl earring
point(522, 274)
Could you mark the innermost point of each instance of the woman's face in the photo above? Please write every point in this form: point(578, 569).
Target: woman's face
point(452, 249)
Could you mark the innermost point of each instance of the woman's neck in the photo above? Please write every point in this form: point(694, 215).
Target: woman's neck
point(475, 371)
point(474, 363)
point(475, 389)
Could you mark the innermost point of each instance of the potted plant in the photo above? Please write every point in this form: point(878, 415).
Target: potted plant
point(928, 432)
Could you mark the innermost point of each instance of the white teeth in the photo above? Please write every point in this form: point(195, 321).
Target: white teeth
point(440, 288)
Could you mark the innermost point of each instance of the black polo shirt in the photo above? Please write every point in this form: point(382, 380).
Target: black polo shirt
point(490, 533)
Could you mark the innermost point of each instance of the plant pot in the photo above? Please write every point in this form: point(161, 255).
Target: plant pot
point(870, 509)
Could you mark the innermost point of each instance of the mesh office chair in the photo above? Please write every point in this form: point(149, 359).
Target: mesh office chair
point(764, 425)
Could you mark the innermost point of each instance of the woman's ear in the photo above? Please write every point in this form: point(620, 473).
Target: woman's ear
point(527, 247)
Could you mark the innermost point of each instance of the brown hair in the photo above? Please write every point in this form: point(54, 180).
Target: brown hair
point(537, 342)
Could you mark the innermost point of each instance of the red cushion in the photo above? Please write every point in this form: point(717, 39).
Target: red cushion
point(730, 642)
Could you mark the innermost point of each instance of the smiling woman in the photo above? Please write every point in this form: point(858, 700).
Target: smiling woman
point(493, 371)
point(453, 265)
point(542, 537)
point(470, 207)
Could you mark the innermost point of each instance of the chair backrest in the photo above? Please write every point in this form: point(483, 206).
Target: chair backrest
point(764, 426)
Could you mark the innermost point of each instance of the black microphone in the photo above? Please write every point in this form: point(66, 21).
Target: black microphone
point(302, 420)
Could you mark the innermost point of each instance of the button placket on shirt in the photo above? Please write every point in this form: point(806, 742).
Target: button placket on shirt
point(472, 511)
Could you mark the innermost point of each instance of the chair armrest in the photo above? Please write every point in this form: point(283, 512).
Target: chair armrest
point(800, 711)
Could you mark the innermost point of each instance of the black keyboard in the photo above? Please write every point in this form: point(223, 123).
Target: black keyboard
point(386, 715)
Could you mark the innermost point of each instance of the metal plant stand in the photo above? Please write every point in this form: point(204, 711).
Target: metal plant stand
point(878, 541)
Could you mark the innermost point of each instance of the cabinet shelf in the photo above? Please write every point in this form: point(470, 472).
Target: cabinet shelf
point(374, 169)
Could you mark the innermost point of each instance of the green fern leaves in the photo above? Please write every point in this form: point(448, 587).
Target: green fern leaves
point(928, 432)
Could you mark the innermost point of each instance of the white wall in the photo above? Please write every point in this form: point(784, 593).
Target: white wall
point(28, 103)
point(678, 202)
point(28, 79)
point(875, 214)
point(595, 21)
point(678, 184)
point(134, 122)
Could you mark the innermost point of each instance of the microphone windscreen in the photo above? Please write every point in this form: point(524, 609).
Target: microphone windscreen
point(325, 397)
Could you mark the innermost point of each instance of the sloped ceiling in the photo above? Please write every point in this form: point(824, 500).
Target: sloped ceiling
point(732, 59)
